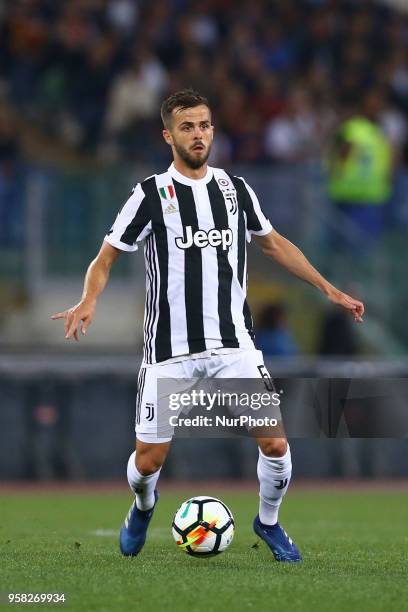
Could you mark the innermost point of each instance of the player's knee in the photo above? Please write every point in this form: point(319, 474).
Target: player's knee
point(148, 464)
point(274, 447)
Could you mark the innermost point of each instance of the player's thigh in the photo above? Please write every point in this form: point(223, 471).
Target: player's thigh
point(250, 364)
point(240, 364)
point(152, 423)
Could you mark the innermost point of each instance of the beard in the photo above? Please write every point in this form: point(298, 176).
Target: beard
point(192, 161)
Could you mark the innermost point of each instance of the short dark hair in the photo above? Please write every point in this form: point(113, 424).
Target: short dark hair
point(186, 98)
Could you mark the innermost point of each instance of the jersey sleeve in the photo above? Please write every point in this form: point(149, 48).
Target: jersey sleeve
point(257, 222)
point(133, 223)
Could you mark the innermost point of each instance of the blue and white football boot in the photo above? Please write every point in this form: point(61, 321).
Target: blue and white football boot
point(279, 542)
point(133, 532)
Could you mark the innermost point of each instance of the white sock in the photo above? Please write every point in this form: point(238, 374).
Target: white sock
point(142, 486)
point(274, 476)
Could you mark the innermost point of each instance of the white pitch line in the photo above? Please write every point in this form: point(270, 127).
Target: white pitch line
point(104, 533)
point(108, 533)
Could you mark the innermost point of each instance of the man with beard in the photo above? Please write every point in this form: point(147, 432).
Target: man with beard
point(195, 221)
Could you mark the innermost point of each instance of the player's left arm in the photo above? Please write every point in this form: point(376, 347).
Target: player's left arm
point(290, 257)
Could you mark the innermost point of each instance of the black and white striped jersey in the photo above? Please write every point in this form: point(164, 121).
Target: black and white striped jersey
point(195, 234)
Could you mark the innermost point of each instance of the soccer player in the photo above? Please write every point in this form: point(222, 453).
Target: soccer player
point(195, 221)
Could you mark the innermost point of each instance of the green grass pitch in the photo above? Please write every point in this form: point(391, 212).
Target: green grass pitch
point(354, 545)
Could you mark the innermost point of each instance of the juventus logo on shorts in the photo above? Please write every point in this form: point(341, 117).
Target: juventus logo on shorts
point(150, 412)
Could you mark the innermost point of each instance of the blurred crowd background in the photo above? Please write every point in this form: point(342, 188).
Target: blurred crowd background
point(89, 75)
point(310, 104)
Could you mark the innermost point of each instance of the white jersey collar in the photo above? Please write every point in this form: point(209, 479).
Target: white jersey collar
point(185, 180)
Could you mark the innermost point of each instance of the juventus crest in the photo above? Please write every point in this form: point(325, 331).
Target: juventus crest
point(230, 195)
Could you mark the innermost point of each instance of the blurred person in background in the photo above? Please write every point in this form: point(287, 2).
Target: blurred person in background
point(360, 171)
point(136, 92)
point(123, 16)
point(295, 134)
point(273, 335)
point(133, 103)
point(11, 176)
point(51, 453)
point(269, 99)
point(337, 335)
point(90, 88)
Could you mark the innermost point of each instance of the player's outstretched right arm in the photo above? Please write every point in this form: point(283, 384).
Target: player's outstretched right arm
point(95, 282)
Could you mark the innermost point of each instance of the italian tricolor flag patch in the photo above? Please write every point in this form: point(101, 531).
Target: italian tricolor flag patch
point(167, 193)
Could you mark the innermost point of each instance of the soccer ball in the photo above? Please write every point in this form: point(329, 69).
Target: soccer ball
point(203, 526)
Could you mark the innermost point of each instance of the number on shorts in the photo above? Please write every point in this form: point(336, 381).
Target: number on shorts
point(268, 382)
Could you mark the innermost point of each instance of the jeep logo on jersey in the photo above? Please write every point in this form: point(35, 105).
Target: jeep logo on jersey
point(201, 238)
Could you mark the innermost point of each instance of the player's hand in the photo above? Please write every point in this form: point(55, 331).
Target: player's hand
point(80, 316)
point(355, 307)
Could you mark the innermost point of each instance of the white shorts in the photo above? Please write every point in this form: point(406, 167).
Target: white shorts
point(239, 364)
